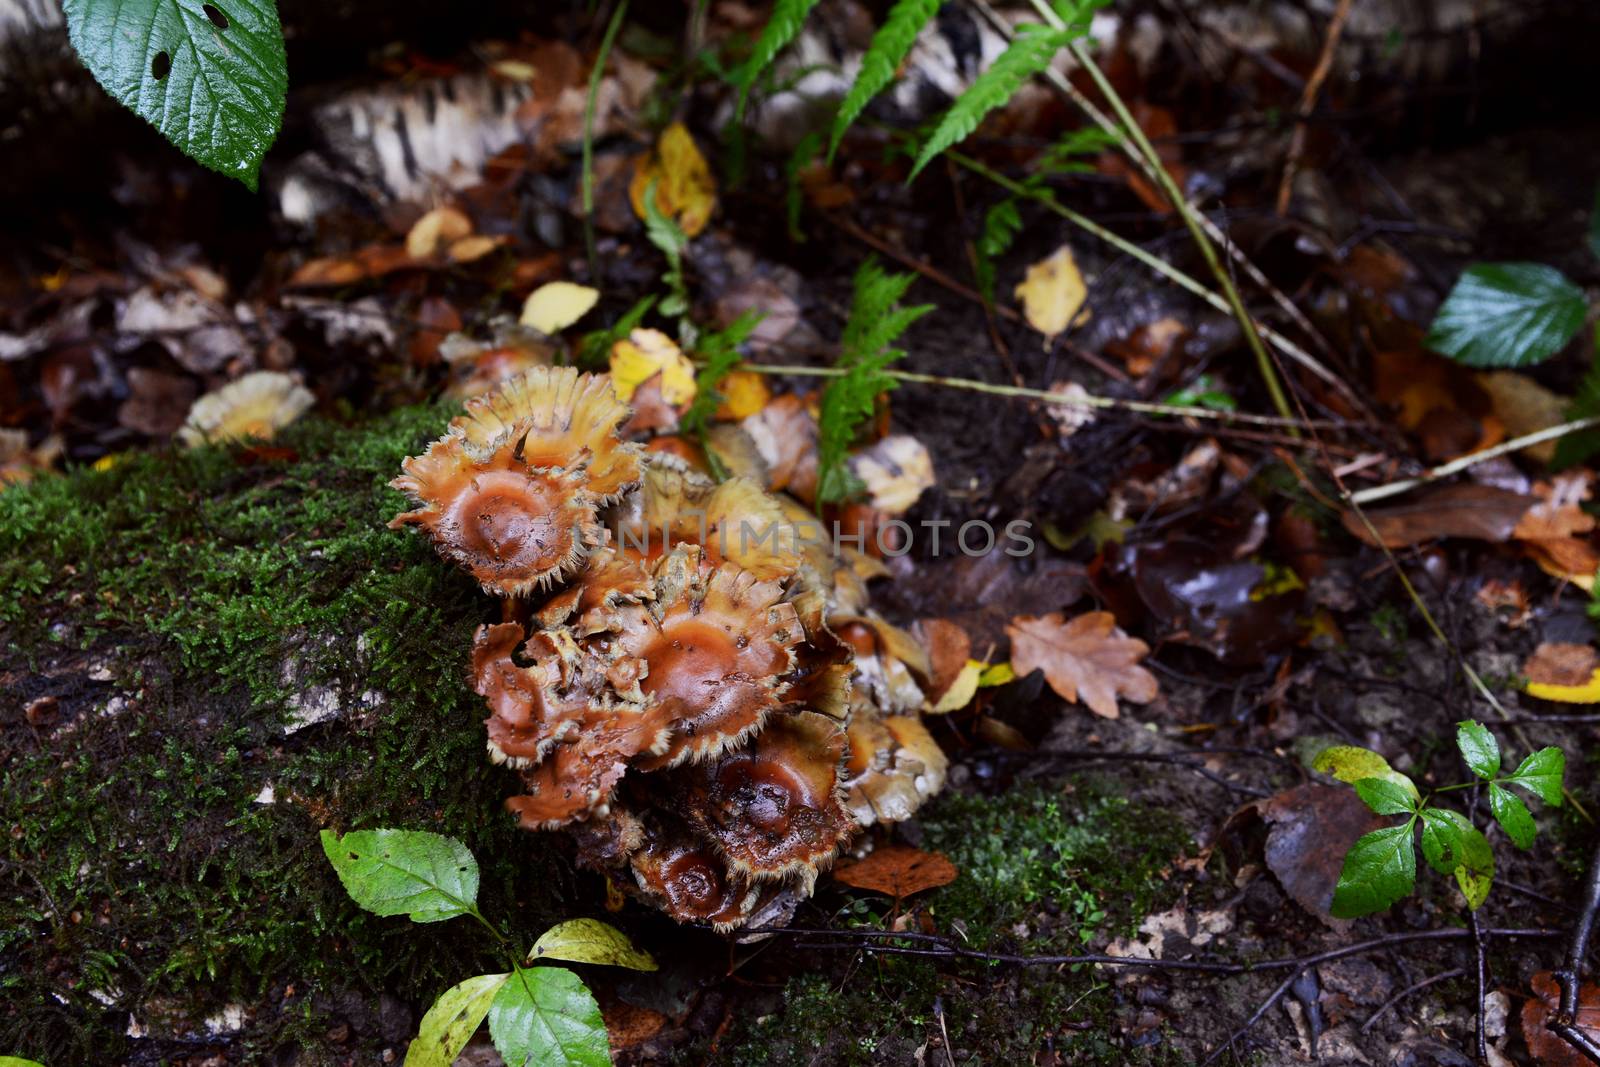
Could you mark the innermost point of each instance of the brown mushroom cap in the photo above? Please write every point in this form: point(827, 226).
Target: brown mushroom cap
point(772, 807)
point(895, 765)
point(692, 884)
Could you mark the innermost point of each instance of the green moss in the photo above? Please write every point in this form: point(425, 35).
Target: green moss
point(215, 589)
point(1043, 870)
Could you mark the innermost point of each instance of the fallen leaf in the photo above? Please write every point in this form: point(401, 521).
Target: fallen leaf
point(1561, 663)
point(473, 247)
point(1559, 512)
point(1053, 292)
point(897, 871)
point(1087, 659)
point(1496, 594)
point(1523, 406)
point(1310, 828)
point(1548, 1047)
point(1148, 345)
point(435, 230)
point(1482, 512)
point(1162, 129)
point(554, 306)
point(744, 392)
point(684, 188)
point(642, 355)
point(962, 689)
point(895, 471)
point(1070, 417)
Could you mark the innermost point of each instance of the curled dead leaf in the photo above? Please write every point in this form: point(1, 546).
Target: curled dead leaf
point(684, 188)
point(1549, 1048)
point(1480, 512)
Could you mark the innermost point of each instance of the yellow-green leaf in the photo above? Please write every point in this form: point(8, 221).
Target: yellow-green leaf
point(451, 1022)
point(590, 941)
point(1350, 764)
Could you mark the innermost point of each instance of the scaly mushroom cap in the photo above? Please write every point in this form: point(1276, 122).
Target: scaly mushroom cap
point(895, 765)
point(692, 884)
point(257, 405)
point(736, 520)
point(515, 528)
point(820, 680)
point(715, 650)
point(773, 806)
point(590, 604)
point(533, 707)
point(557, 418)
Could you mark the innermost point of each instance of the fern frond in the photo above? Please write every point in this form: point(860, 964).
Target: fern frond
point(595, 347)
point(719, 353)
point(876, 320)
point(787, 18)
point(1001, 224)
point(1029, 53)
point(884, 56)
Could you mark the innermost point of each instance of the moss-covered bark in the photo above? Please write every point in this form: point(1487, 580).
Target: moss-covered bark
point(227, 650)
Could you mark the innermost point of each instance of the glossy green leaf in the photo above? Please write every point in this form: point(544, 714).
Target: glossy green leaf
point(1478, 748)
point(18, 1061)
point(211, 76)
point(590, 941)
point(405, 872)
point(1475, 872)
point(453, 1019)
point(1379, 869)
point(1541, 774)
point(1512, 815)
point(546, 1017)
point(1441, 839)
point(1350, 764)
point(1507, 315)
point(1385, 797)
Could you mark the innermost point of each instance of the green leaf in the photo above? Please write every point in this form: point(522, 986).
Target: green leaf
point(1379, 869)
point(1385, 797)
point(18, 1061)
point(1512, 815)
point(213, 87)
point(1507, 315)
point(546, 1017)
point(590, 941)
point(1475, 872)
point(876, 320)
point(787, 18)
point(720, 354)
point(453, 1019)
point(888, 48)
point(594, 349)
point(1541, 774)
point(1478, 748)
point(1441, 839)
point(1001, 224)
point(427, 876)
point(1029, 53)
point(1350, 764)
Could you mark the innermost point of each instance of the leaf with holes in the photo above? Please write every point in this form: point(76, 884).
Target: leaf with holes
point(427, 876)
point(1507, 315)
point(210, 76)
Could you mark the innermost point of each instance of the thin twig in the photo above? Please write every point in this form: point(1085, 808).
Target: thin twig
point(1456, 466)
point(1308, 101)
point(1414, 987)
point(1565, 1020)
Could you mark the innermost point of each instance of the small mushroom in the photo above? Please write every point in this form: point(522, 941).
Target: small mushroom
point(257, 405)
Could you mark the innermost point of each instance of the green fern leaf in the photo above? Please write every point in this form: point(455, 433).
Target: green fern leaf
point(1001, 224)
point(1029, 53)
point(719, 354)
point(884, 56)
point(787, 18)
point(876, 320)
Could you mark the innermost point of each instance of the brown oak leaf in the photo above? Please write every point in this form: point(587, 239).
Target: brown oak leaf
point(897, 871)
point(1087, 659)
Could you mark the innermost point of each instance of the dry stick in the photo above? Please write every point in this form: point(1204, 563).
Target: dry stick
point(927, 270)
point(1456, 466)
point(1414, 987)
point(1083, 400)
point(1564, 1021)
point(1308, 101)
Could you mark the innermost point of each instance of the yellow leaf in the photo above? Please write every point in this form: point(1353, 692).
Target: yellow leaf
point(999, 674)
point(1053, 292)
point(961, 691)
point(744, 392)
point(590, 941)
point(438, 227)
point(555, 306)
point(685, 189)
point(1587, 693)
point(643, 355)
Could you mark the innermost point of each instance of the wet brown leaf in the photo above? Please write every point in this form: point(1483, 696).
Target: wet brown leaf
point(897, 871)
point(948, 647)
point(1088, 659)
point(1310, 828)
point(1549, 1048)
point(1560, 663)
point(1480, 512)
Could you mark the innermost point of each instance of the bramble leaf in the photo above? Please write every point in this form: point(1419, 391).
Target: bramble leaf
point(1379, 869)
point(889, 46)
point(211, 76)
point(1507, 315)
point(451, 1022)
point(1478, 748)
point(1385, 797)
point(1541, 774)
point(427, 876)
point(546, 1017)
point(590, 941)
point(1512, 815)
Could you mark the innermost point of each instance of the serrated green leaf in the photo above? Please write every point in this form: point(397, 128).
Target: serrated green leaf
point(1541, 774)
point(888, 48)
point(1379, 869)
point(590, 941)
point(215, 88)
point(1029, 53)
point(546, 1017)
point(453, 1019)
point(1350, 764)
point(787, 18)
point(425, 875)
point(1512, 815)
point(1385, 797)
point(1507, 315)
point(1478, 748)
point(719, 353)
point(1441, 839)
point(1475, 872)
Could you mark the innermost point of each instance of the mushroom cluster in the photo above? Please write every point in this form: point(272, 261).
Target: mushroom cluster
point(699, 695)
